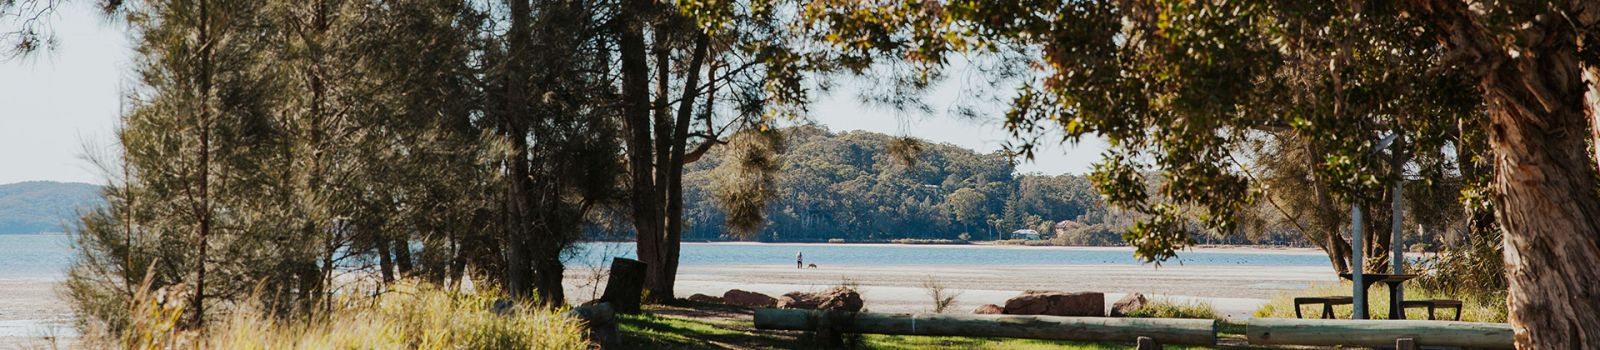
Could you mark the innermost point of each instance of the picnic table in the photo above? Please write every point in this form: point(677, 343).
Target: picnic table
point(1396, 310)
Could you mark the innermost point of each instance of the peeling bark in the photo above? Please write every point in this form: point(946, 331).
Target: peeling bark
point(1544, 183)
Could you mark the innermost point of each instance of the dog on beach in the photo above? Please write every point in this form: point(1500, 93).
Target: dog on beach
point(811, 266)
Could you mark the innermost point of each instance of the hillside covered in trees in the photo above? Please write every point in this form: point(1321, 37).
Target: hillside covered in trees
point(849, 185)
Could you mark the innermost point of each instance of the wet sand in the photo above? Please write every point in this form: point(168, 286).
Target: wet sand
point(1235, 291)
point(31, 314)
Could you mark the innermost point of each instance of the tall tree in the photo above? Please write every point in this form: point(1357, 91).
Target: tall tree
point(1180, 82)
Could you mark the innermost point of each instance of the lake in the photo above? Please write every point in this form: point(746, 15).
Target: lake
point(46, 257)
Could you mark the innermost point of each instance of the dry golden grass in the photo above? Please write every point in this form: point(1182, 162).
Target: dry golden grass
point(409, 316)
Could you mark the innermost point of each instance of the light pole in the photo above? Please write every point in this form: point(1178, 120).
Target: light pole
point(1357, 255)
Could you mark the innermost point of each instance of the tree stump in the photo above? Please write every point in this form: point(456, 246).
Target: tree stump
point(1147, 343)
point(625, 286)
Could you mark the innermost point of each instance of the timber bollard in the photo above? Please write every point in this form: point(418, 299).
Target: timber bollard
point(625, 286)
point(1146, 343)
point(1127, 330)
point(1405, 344)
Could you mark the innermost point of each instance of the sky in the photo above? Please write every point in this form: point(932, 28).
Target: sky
point(58, 106)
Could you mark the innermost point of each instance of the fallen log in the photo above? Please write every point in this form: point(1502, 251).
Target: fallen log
point(1162, 330)
point(1290, 331)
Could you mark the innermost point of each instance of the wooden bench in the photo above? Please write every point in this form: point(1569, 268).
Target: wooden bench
point(1326, 302)
point(1434, 304)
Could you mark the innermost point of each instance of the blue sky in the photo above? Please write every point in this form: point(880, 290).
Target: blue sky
point(58, 106)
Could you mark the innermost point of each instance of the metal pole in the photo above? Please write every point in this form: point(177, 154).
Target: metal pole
point(1397, 258)
point(1359, 294)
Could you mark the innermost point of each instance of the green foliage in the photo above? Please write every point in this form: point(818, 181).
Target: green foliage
point(746, 184)
point(1163, 308)
point(1178, 87)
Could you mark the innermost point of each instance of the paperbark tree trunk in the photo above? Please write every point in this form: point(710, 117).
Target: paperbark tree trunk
point(1546, 200)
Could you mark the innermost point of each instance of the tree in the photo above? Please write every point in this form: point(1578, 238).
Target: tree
point(716, 47)
point(1177, 85)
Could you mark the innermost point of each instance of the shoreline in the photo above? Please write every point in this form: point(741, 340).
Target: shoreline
point(1231, 249)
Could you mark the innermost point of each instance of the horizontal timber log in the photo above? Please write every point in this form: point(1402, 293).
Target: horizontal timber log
point(1163, 330)
point(1288, 331)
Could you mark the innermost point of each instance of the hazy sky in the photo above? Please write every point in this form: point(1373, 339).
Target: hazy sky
point(56, 105)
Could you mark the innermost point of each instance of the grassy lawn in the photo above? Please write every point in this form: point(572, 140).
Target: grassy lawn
point(1473, 309)
point(656, 331)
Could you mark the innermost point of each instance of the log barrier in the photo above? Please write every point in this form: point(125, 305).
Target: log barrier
point(1290, 331)
point(1129, 330)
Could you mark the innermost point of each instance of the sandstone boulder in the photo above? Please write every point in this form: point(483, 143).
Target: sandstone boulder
point(1057, 304)
point(836, 298)
point(1127, 304)
point(697, 297)
point(989, 309)
point(746, 298)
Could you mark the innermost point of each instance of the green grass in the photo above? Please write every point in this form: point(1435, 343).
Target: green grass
point(672, 332)
point(657, 332)
point(908, 342)
point(1474, 309)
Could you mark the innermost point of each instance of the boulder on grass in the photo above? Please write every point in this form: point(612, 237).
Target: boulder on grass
point(697, 297)
point(989, 309)
point(1052, 303)
point(747, 298)
point(836, 298)
point(1128, 304)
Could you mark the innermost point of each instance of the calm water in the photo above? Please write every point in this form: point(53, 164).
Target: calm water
point(26, 257)
point(696, 254)
point(34, 257)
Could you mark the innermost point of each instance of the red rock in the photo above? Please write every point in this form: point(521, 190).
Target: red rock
point(836, 298)
point(745, 298)
point(1057, 304)
point(989, 309)
point(1127, 304)
point(697, 297)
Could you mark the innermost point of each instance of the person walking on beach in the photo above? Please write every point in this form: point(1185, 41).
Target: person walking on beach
point(800, 260)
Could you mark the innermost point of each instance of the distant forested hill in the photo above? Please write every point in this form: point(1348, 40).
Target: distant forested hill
point(42, 206)
point(848, 185)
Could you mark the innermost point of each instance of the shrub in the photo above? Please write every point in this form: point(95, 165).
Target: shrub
point(1162, 308)
point(943, 298)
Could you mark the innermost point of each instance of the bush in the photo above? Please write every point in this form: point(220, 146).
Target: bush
point(410, 316)
point(1163, 308)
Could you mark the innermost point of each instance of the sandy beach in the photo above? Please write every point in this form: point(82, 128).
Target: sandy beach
point(1236, 291)
point(30, 313)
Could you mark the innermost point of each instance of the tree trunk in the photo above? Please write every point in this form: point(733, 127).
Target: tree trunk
point(519, 217)
point(672, 241)
point(1546, 200)
point(1325, 217)
point(402, 257)
point(205, 164)
point(385, 263)
point(643, 198)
